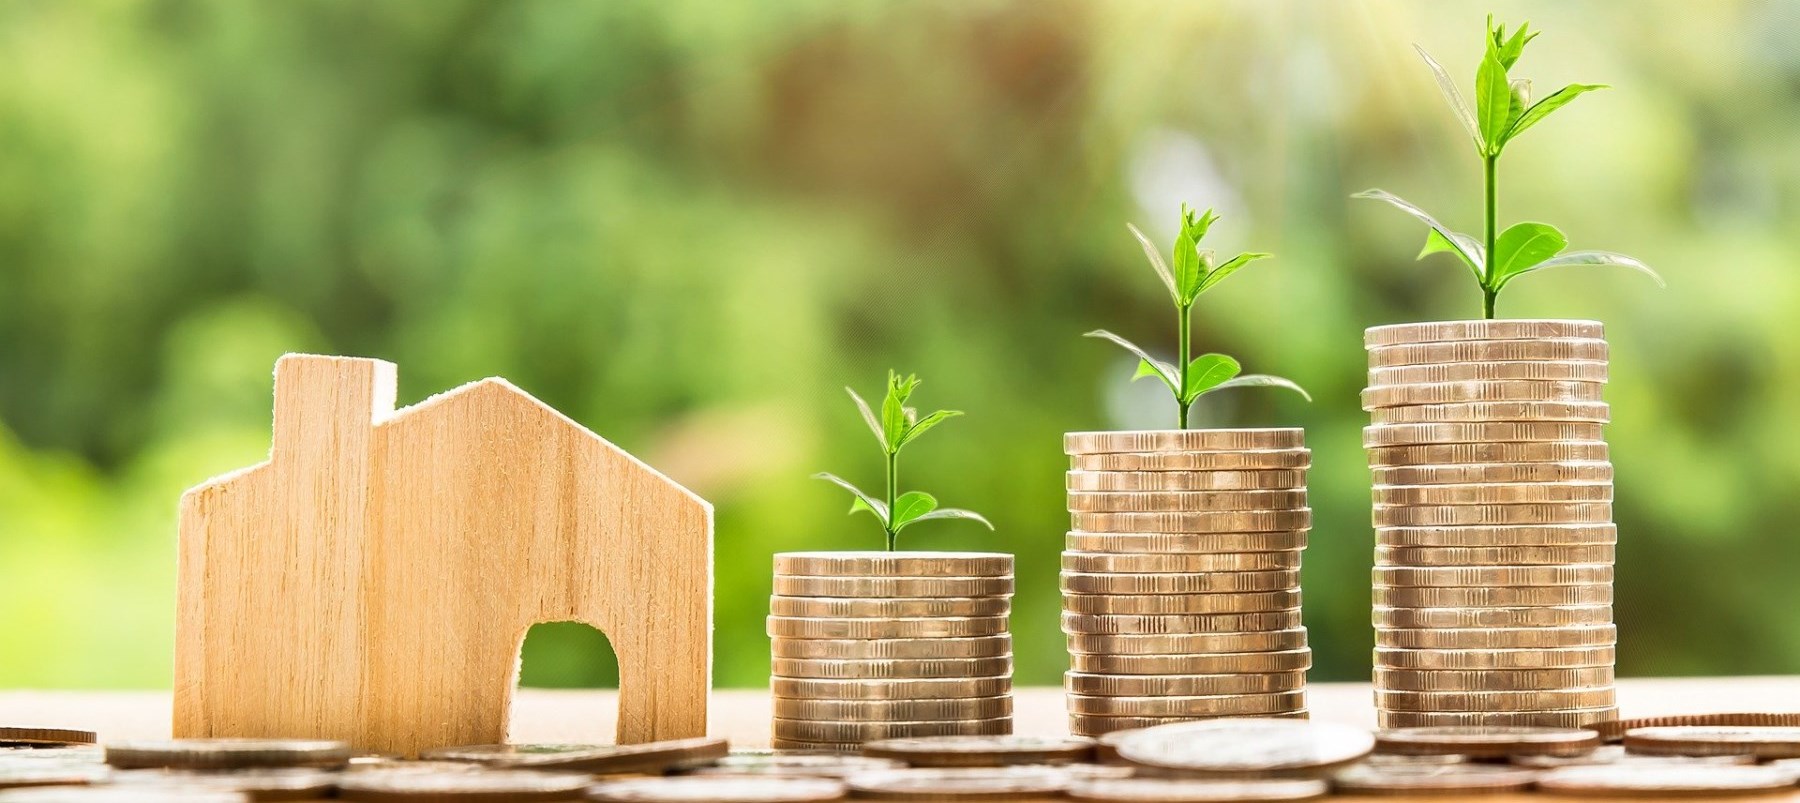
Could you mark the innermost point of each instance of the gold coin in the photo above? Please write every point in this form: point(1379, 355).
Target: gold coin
point(1248, 602)
point(1493, 680)
point(892, 710)
point(1179, 563)
point(1467, 515)
point(1102, 685)
point(1483, 701)
point(890, 607)
point(1533, 616)
point(789, 585)
point(1480, 742)
point(1574, 471)
point(1184, 501)
point(1492, 597)
point(1497, 638)
point(1486, 329)
point(1212, 705)
point(1384, 435)
point(1664, 781)
point(1766, 742)
point(1429, 576)
point(1087, 725)
point(1173, 583)
point(1492, 413)
point(42, 738)
point(1483, 453)
point(1251, 460)
point(1555, 658)
point(1186, 643)
point(1184, 440)
point(798, 745)
point(1221, 663)
point(1554, 371)
point(1492, 556)
point(926, 627)
point(1509, 493)
point(894, 564)
point(1224, 521)
point(1178, 543)
point(227, 753)
point(1523, 535)
point(905, 648)
point(1614, 730)
point(1561, 718)
point(869, 668)
point(1128, 624)
point(1584, 349)
point(826, 731)
point(1184, 480)
point(1379, 396)
point(898, 689)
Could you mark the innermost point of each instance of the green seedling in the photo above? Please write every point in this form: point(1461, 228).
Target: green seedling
point(897, 426)
point(1194, 273)
point(1503, 111)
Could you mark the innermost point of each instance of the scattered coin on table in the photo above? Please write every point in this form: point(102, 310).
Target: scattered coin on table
point(211, 754)
point(648, 757)
point(982, 751)
point(1488, 741)
point(790, 764)
point(514, 786)
point(117, 794)
point(1664, 780)
point(261, 785)
point(1179, 790)
point(50, 773)
point(718, 789)
point(1426, 779)
point(44, 737)
point(1615, 754)
point(957, 784)
point(1764, 742)
point(1246, 745)
point(1614, 730)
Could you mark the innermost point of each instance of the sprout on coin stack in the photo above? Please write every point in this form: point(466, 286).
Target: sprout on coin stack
point(1492, 486)
point(1181, 579)
point(883, 644)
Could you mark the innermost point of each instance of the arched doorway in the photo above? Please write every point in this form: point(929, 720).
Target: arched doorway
point(561, 664)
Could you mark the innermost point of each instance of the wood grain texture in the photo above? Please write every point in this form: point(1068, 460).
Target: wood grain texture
point(374, 580)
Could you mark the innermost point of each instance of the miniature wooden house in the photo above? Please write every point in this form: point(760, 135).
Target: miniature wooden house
point(374, 579)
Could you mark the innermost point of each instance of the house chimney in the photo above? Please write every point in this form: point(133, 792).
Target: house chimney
point(325, 406)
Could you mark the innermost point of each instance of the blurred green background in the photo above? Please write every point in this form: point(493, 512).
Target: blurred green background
point(689, 223)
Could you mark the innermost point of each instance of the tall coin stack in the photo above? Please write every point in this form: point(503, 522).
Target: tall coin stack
point(878, 645)
point(1493, 521)
point(1181, 579)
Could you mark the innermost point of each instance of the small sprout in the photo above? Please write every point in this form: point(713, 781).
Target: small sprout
point(1503, 111)
point(1196, 271)
point(896, 426)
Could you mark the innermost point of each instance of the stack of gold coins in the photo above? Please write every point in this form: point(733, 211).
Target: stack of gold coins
point(1181, 579)
point(1493, 520)
point(882, 645)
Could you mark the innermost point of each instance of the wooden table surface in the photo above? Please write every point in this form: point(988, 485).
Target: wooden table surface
point(742, 715)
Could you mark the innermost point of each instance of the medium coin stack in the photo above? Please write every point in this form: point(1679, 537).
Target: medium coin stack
point(1181, 578)
point(1493, 521)
point(881, 645)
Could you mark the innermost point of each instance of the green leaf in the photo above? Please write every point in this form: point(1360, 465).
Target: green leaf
point(1543, 108)
point(1187, 267)
point(1451, 95)
point(1493, 98)
point(1196, 227)
point(1510, 48)
point(863, 501)
point(894, 422)
point(869, 418)
point(1160, 369)
point(1523, 245)
point(910, 506)
point(927, 423)
point(1435, 243)
point(1579, 258)
point(1156, 261)
point(1263, 381)
point(1208, 371)
point(955, 513)
point(1231, 266)
point(1461, 244)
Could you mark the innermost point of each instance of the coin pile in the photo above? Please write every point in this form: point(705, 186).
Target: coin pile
point(1493, 520)
point(877, 645)
point(1181, 578)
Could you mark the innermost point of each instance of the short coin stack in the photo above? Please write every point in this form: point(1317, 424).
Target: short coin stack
point(1493, 520)
point(1181, 578)
point(878, 645)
